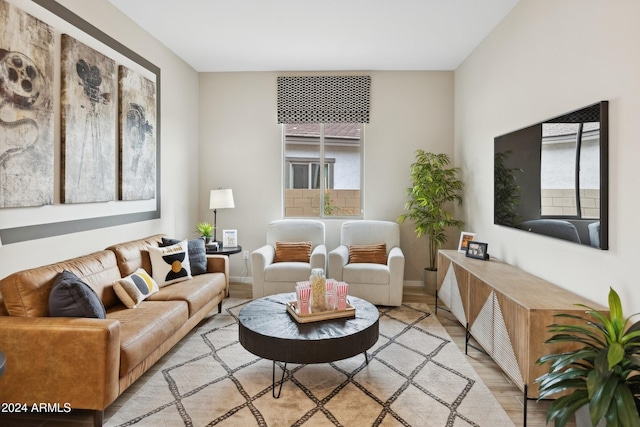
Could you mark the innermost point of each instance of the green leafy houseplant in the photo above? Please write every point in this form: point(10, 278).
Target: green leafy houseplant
point(602, 372)
point(205, 229)
point(434, 186)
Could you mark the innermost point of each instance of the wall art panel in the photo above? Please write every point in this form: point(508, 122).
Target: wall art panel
point(88, 128)
point(137, 136)
point(26, 109)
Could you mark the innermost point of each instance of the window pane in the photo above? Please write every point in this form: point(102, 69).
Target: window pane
point(300, 178)
point(343, 142)
point(339, 178)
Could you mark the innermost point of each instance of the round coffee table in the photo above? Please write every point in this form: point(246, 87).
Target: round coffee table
point(268, 331)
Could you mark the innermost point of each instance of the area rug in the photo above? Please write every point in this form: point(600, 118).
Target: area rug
point(416, 376)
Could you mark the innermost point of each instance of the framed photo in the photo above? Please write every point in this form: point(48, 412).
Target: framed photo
point(465, 238)
point(477, 250)
point(229, 238)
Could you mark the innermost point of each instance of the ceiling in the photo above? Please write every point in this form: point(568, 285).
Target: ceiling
point(304, 35)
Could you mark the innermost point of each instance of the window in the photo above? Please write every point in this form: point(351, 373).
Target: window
point(322, 169)
point(305, 173)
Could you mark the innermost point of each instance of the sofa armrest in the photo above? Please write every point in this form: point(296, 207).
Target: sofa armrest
point(260, 259)
point(338, 258)
point(63, 360)
point(319, 257)
point(219, 264)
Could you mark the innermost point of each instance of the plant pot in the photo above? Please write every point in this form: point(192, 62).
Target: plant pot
point(430, 281)
point(583, 420)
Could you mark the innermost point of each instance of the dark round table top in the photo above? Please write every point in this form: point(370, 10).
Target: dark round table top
point(267, 330)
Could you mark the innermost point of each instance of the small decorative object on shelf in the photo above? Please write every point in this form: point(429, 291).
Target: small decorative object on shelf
point(205, 229)
point(230, 238)
point(465, 238)
point(477, 250)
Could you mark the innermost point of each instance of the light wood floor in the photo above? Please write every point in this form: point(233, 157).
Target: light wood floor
point(507, 394)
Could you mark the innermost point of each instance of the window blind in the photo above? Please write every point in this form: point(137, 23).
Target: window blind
point(323, 99)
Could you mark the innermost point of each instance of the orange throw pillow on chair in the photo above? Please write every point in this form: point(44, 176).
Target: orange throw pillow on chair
point(292, 252)
point(376, 254)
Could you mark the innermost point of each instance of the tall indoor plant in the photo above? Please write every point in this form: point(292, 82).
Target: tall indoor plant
point(434, 187)
point(601, 372)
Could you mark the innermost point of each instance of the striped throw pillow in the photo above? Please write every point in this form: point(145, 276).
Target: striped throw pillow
point(292, 252)
point(376, 254)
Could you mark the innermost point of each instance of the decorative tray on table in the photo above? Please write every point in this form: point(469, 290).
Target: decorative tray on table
point(292, 308)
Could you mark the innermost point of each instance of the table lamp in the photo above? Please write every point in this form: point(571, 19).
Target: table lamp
point(220, 199)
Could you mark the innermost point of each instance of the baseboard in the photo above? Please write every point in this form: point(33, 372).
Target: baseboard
point(240, 280)
point(413, 283)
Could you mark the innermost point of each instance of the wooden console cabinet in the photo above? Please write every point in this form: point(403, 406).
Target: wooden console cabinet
point(507, 311)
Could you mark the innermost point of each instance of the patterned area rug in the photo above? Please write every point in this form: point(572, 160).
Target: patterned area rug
point(416, 377)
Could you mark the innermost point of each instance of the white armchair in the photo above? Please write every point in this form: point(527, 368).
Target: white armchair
point(380, 284)
point(271, 277)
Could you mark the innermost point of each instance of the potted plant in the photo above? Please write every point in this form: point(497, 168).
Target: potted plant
point(434, 186)
point(205, 229)
point(601, 373)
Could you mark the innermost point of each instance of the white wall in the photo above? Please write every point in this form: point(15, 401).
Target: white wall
point(179, 133)
point(241, 148)
point(546, 58)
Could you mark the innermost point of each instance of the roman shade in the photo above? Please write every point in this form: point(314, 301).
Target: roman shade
point(323, 99)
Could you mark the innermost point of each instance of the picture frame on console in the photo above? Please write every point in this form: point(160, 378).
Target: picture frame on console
point(465, 238)
point(477, 250)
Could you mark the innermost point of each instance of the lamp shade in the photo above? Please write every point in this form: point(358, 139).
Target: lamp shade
point(220, 199)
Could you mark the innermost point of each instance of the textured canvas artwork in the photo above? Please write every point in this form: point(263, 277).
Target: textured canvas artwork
point(26, 109)
point(88, 133)
point(137, 136)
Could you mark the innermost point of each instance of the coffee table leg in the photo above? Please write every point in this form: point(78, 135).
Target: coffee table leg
point(273, 378)
point(366, 357)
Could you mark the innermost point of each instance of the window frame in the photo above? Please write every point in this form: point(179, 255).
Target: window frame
point(287, 161)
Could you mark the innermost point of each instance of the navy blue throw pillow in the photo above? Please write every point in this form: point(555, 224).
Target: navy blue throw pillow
point(71, 297)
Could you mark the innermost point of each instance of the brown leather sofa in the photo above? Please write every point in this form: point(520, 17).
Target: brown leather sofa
point(86, 363)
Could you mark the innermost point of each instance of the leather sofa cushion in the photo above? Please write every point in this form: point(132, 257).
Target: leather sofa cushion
point(26, 293)
point(133, 255)
point(145, 328)
point(196, 292)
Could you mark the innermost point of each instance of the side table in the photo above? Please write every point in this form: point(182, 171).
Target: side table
point(224, 250)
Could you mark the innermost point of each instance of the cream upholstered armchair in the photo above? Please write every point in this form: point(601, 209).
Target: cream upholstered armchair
point(370, 260)
point(294, 247)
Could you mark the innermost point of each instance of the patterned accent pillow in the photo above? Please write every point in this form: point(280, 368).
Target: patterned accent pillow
point(376, 254)
point(197, 254)
point(292, 252)
point(71, 297)
point(135, 288)
point(170, 264)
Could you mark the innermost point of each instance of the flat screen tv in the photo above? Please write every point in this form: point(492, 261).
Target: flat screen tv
point(551, 178)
